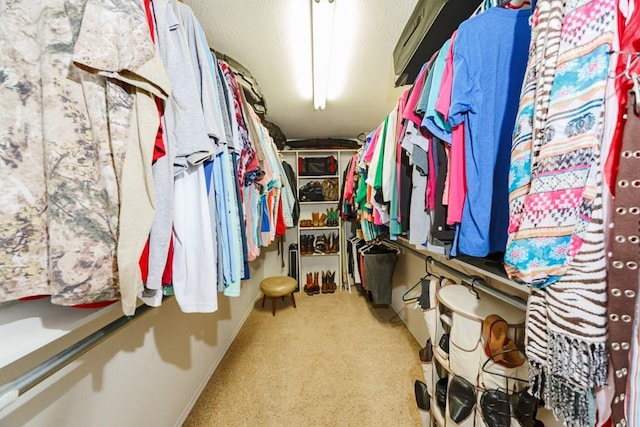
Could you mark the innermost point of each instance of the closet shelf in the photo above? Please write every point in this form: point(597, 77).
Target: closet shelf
point(319, 228)
point(319, 255)
point(310, 177)
point(332, 202)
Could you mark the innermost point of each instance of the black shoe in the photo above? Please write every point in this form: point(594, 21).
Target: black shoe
point(495, 407)
point(423, 400)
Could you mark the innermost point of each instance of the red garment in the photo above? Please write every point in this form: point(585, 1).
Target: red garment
point(280, 227)
point(629, 42)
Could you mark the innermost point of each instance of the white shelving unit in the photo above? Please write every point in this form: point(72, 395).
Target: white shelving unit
point(319, 262)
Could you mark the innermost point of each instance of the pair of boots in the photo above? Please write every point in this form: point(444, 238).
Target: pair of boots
point(332, 217)
point(328, 243)
point(312, 287)
point(307, 246)
point(329, 282)
point(318, 219)
point(333, 243)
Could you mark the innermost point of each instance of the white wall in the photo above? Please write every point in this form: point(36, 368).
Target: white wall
point(148, 374)
point(409, 269)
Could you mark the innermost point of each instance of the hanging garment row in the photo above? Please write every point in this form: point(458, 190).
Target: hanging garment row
point(515, 144)
point(137, 167)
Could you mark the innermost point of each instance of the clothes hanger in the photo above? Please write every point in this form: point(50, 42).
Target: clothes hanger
point(498, 374)
point(404, 295)
point(632, 58)
point(429, 274)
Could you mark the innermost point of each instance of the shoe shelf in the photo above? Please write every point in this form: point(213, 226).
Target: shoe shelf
point(330, 228)
point(315, 177)
point(319, 255)
point(323, 202)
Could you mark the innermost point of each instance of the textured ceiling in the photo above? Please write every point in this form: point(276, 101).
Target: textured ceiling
point(272, 39)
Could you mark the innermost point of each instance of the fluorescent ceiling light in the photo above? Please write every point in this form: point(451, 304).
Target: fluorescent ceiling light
point(322, 14)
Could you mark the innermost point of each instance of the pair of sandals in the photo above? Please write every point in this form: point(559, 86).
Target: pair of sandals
point(497, 345)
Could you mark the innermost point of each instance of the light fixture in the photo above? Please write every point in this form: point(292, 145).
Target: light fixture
point(322, 14)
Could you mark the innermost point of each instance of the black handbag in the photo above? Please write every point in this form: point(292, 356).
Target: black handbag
point(311, 192)
point(314, 166)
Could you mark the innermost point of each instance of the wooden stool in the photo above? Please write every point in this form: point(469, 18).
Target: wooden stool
point(276, 287)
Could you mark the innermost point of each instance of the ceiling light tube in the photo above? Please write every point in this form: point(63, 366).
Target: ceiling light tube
point(322, 12)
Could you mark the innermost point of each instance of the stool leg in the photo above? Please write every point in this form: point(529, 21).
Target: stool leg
point(274, 304)
point(264, 297)
point(293, 300)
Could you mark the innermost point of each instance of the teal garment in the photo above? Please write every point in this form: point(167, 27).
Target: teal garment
point(432, 120)
point(228, 216)
point(395, 227)
point(421, 106)
point(377, 185)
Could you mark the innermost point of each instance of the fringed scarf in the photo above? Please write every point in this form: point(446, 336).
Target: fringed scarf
point(556, 236)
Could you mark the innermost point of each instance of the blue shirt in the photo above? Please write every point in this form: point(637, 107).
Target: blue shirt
point(433, 121)
point(489, 61)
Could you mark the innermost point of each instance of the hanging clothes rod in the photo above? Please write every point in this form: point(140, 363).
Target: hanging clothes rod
point(475, 282)
point(478, 283)
point(10, 391)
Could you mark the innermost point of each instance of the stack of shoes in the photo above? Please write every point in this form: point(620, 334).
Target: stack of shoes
point(322, 244)
point(312, 287)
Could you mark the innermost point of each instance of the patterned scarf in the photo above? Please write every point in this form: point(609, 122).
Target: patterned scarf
point(556, 236)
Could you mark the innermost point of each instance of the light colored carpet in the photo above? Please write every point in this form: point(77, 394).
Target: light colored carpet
point(333, 361)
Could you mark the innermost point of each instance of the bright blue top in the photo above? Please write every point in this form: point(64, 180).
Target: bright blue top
point(489, 61)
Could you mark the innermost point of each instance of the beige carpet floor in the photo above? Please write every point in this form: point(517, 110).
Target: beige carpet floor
point(333, 361)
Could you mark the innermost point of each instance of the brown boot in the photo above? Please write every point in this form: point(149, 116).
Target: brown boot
point(322, 219)
point(325, 282)
point(331, 279)
point(308, 287)
point(316, 285)
point(315, 219)
point(303, 244)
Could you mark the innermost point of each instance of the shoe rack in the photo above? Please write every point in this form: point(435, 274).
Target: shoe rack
point(320, 233)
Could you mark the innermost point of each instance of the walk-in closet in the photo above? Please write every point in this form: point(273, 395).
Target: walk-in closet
point(419, 213)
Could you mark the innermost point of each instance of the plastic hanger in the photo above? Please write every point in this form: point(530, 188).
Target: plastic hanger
point(632, 58)
point(498, 374)
point(404, 295)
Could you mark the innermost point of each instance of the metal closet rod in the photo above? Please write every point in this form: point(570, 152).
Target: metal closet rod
point(10, 391)
point(473, 281)
point(479, 283)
